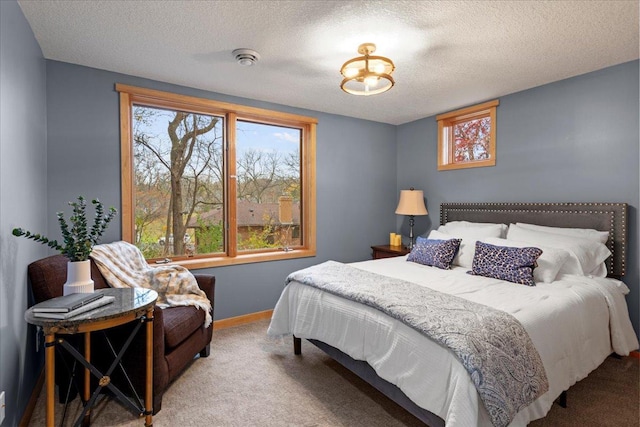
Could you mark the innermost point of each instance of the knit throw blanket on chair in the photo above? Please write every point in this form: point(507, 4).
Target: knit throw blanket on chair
point(123, 266)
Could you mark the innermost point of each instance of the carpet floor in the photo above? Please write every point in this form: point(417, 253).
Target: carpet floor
point(249, 380)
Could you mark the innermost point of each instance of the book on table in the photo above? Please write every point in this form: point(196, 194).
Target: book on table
point(66, 303)
point(103, 300)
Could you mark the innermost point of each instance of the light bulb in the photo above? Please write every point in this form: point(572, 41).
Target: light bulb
point(350, 72)
point(371, 81)
point(378, 68)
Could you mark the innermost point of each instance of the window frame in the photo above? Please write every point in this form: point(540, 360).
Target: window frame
point(130, 95)
point(446, 121)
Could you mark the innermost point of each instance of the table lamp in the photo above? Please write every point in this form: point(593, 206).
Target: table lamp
point(411, 203)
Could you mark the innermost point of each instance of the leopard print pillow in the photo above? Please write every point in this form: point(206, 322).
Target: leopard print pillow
point(435, 253)
point(506, 263)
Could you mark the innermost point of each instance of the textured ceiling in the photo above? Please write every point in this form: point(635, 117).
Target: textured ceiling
point(448, 54)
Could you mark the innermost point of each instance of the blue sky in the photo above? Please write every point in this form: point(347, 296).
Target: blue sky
point(258, 136)
point(267, 137)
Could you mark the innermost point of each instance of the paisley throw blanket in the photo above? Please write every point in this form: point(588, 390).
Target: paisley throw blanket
point(491, 344)
point(123, 265)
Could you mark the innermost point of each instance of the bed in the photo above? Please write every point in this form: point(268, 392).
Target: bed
point(573, 321)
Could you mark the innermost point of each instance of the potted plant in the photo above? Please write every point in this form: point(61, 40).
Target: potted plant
point(78, 242)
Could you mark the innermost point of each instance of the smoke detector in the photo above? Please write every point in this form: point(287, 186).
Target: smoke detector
point(246, 57)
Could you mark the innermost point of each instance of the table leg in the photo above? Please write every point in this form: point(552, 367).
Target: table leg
point(50, 352)
point(87, 378)
point(148, 398)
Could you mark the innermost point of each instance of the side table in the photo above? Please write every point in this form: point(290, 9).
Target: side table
point(387, 251)
point(129, 305)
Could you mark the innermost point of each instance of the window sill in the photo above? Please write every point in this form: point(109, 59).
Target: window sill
point(220, 261)
point(466, 165)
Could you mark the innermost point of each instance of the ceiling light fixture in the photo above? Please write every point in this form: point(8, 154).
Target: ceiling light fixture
point(246, 57)
point(367, 75)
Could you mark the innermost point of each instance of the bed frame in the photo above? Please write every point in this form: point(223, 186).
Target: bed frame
point(610, 217)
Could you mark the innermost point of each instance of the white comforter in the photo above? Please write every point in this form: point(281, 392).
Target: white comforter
point(568, 321)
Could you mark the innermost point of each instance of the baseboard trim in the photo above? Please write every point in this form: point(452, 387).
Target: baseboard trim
point(635, 354)
point(242, 320)
point(33, 400)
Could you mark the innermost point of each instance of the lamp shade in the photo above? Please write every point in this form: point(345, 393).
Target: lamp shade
point(411, 203)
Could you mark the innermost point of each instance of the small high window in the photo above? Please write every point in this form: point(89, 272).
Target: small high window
point(467, 137)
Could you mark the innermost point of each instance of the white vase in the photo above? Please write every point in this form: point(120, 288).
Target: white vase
point(78, 278)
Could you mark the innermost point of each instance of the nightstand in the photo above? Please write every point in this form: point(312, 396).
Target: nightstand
point(386, 251)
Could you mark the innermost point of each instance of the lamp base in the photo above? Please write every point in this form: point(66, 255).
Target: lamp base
point(411, 222)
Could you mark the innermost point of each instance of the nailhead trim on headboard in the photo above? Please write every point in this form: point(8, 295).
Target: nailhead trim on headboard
point(548, 212)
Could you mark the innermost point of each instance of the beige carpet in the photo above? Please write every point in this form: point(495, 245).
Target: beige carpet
point(251, 381)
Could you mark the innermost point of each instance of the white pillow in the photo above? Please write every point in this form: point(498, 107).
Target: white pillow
point(549, 263)
point(585, 233)
point(600, 271)
point(585, 255)
point(469, 237)
point(453, 226)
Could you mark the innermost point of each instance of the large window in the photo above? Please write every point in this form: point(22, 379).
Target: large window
point(207, 183)
point(467, 137)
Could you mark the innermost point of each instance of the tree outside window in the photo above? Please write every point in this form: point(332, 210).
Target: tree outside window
point(466, 137)
point(268, 185)
point(214, 183)
point(178, 177)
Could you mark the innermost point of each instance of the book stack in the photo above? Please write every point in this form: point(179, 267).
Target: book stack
point(71, 305)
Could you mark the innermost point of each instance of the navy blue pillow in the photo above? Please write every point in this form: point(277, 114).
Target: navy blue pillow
point(506, 263)
point(435, 253)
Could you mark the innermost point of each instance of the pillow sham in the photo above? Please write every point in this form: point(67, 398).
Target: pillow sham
point(585, 255)
point(599, 271)
point(505, 263)
point(585, 233)
point(549, 263)
point(435, 253)
point(453, 226)
point(469, 237)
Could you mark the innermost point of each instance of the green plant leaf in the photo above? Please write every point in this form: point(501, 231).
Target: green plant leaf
point(78, 240)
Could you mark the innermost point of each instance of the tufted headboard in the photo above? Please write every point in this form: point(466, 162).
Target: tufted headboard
point(610, 217)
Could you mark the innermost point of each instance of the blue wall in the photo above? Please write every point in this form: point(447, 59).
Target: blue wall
point(355, 174)
point(574, 140)
point(23, 177)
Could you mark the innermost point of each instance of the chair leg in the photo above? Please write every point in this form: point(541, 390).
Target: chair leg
point(206, 351)
point(157, 402)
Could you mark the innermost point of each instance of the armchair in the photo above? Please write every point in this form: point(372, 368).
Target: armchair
point(178, 333)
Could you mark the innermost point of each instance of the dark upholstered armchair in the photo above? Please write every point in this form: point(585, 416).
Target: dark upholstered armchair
point(178, 333)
